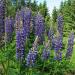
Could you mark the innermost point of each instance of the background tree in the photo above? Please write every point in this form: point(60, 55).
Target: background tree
point(43, 9)
point(34, 6)
point(54, 15)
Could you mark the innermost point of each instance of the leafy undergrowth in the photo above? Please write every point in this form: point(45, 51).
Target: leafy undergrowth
point(10, 66)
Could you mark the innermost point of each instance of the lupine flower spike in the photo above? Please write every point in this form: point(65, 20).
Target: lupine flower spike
point(39, 26)
point(46, 51)
point(70, 45)
point(2, 16)
point(57, 46)
point(31, 58)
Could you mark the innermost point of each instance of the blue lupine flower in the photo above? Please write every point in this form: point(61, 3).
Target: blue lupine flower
point(70, 45)
point(60, 24)
point(57, 45)
point(39, 26)
point(20, 37)
point(46, 51)
point(9, 23)
point(45, 54)
point(20, 45)
point(32, 55)
point(23, 19)
point(2, 16)
point(58, 55)
point(50, 36)
point(31, 58)
point(26, 18)
point(50, 33)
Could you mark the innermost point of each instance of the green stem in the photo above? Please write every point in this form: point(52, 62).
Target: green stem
point(30, 71)
point(19, 67)
point(8, 65)
point(43, 65)
point(3, 68)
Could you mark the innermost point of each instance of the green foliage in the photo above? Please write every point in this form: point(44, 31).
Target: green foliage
point(43, 9)
point(54, 15)
point(22, 3)
point(9, 64)
point(47, 22)
point(68, 10)
point(34, 6)
point(10, 9)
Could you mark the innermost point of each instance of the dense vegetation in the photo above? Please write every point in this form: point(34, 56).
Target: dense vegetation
point(32, 42)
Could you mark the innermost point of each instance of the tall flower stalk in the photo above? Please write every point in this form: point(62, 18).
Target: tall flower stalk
point(20, 37)
point(26, 18)
point(32, 55)
point(70, 45)
point(50, 36)
point(60, 26)
point(57, 44)
point(9, 27)
point(2, 16)
point(2, 24)
point(39, 26)
point(23, 19)
point(46, 51)
point(20, 42)
point(50, 33)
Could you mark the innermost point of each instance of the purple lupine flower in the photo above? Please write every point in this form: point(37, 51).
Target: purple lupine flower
point(39, 26)
point(20, 42)
point(50, 33)
point(45, 54)
point(18, 20)
point(46, 51)
point(26, 18)
point(60, 24)
point(2, 16)
point(9, 28)
point(70, 45)
point(12, 22)
point(20, 37)
point(57, 45)
point(50, 36)
point(58, 55)
point(21, 34)
point(31, 58)
point(32, 55)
